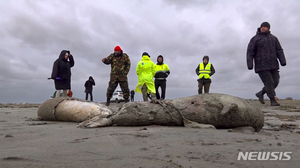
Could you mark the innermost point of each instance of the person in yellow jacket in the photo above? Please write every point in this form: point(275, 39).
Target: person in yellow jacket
point(204, 71)
point(146, 70)
point(162, 72)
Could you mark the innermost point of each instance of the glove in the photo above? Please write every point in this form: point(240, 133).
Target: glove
point(58, 78)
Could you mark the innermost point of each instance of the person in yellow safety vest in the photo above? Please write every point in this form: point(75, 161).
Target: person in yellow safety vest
point(162, 72)
point(204, 70)
point(146, 70)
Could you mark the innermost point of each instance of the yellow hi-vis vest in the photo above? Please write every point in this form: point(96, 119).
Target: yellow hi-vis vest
point(204, 72)
point(161, 68)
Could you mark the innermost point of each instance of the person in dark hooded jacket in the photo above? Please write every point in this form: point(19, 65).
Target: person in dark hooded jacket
point(265, 49)
point(204, 71)
point(132, 92)
point(89, 88)
point(162, 72)
point(61, 72)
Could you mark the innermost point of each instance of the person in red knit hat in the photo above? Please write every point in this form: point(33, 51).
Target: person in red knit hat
point(120, 66)
point(118, 48)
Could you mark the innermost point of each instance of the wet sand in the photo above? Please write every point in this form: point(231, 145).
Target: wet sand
point(27, 142)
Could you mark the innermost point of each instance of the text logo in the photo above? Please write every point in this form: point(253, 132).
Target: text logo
point(264, 156)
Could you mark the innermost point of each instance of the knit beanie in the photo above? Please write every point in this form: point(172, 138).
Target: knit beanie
point(265, 24)
point(118, 48)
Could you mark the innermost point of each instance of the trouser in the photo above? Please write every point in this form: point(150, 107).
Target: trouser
point(145, 93)
point(86, 95)
point(271, 81)
point(112, 85)
point(65, 93)
point(162, 84)
point(132, 98)
point(200, 86)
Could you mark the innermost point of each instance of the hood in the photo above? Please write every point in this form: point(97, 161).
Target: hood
point(160, 63)
point(206, 58)
point(146, 58)
point(62, 54)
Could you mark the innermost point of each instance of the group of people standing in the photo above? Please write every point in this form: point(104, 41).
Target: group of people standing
point(146, 70)
point(120, 66)
point(264, 49)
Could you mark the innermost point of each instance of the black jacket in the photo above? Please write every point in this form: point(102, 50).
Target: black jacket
point(89, 85)
point(132, 93)
point(264, 49)
point(62, 68)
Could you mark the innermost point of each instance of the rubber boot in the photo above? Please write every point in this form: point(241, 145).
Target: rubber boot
point(107, 102)
point(274, 102)
point(260, 96)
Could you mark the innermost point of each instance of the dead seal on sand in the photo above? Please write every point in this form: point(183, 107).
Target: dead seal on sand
point(71, 109)
point(219, 110)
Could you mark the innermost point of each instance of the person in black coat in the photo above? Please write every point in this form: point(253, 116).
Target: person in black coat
point(89, 88)
point(61, 72)
point(132, 95)
point(265, 49)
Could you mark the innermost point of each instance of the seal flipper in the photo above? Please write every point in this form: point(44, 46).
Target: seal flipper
point(96, 121)
point(228, 108)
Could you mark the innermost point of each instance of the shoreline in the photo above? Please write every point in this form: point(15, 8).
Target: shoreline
point(27, 142)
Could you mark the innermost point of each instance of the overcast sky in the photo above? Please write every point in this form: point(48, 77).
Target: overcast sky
point(33, 33)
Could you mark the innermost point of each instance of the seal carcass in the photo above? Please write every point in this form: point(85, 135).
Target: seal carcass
point(219, 110)
point(71, 109)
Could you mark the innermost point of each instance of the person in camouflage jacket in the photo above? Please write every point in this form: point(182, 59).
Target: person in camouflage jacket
point(120, 66)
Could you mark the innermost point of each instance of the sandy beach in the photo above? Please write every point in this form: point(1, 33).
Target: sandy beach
point(28, 142)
